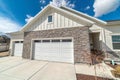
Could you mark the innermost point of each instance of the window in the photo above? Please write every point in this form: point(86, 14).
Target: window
point(50, 18)
point(56, 40)
point(16, 41)
point(66, 40)
point(116, 41)
point(37, 41)
point(45, 40)
point(21, 41)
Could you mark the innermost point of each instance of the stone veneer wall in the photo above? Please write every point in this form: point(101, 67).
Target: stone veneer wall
point(79, 34)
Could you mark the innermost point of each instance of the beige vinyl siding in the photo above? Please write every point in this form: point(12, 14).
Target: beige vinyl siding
point(15, 37)
point(55, 20)
point(60, 20)
point(108, 32)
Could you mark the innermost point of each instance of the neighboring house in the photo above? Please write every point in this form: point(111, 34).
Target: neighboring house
point(65, 35)
point(4, 43)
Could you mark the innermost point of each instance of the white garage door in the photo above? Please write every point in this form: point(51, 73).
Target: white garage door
point(54, 50)
point(18, 48)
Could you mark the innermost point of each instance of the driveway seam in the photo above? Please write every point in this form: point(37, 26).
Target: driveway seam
point(13, 77)
point(75, 71)
point(37, 71)
point(13, 66)
point(6, 60)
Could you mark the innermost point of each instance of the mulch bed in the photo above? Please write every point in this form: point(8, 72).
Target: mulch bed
point(113, 66)
point(89, 77)
point(115, 72)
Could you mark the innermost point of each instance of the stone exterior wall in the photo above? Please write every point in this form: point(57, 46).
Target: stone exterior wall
point(79, 34)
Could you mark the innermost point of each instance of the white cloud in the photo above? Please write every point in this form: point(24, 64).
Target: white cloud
point(7, 25)
point(70, 5)
point(42, 1)
point(102, 7)
point(42, 7)
point(59, 3)
point(88, 7)
point(29, 18)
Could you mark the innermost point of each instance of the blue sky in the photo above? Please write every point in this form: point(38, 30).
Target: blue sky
point(17, 13)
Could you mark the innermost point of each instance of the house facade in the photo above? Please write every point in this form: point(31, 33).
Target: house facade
point(65, 35)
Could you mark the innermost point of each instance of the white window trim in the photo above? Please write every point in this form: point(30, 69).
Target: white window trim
point(115, 34)
point(52, 18)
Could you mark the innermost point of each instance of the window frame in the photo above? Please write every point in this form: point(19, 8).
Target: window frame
point(48, 18)
point(66, 40)
point(46, 41)
point(113, 42)
point(56, 41)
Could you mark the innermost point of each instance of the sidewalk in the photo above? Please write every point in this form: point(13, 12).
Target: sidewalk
point(102, 70)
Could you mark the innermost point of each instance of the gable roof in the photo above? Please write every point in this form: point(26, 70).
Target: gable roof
point(83, 15)
point(88, 20)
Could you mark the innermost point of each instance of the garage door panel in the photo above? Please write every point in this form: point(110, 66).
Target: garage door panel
point(54, 51)
point(59, 59)
point(18, 48)
point(57, 56)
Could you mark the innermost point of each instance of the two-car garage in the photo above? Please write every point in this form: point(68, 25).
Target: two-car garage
point(60, 50)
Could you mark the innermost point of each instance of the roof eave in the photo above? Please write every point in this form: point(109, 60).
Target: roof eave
point(34, 18)
point(86, 16)
point(76, 16)
point(116, 22)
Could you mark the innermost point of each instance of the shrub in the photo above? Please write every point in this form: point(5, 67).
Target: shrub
point(116, 72)
point(117, 69)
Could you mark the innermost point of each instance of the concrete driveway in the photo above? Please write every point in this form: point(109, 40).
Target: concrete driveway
point(16, 68)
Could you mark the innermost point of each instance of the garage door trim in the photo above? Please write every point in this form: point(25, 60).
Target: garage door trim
point(13, 46)
point(32, 55)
